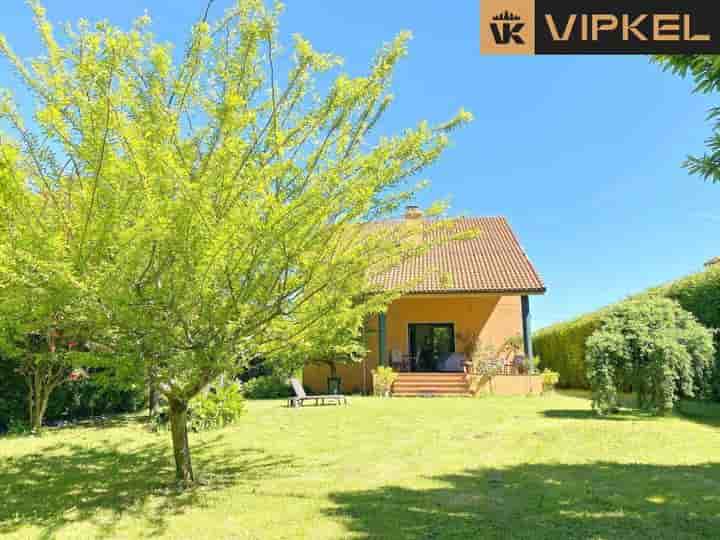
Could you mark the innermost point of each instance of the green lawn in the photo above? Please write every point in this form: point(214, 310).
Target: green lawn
point(397, 468)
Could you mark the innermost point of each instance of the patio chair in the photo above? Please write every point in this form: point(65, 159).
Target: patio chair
point(301, 397)
point(413, 361)
point(397, 361)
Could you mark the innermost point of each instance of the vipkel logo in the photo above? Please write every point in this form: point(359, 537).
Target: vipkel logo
point(506, 28)
point(600, 27)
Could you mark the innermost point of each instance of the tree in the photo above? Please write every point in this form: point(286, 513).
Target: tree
point(339, 338)
point(705, 71)
point(44, 301)
point(221, 204)
point(654, 347)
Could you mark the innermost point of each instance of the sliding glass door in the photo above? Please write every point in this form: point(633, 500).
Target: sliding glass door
point(431, 345)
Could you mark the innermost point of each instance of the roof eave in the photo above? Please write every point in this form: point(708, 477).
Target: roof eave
point(539, 291)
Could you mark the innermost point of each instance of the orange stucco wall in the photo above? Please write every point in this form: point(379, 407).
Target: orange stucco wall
point(494, 318)
point(510, 385)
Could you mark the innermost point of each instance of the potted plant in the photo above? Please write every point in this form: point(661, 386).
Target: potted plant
point(550, 379)
point(334, 382)
point(383, 379)
point(482, 363)
point(343, 346)
point(512, 348)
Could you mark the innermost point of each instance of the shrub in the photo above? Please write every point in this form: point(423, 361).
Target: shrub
point(73, 400)
point(18, 427)
point(652, 346)
point(267, 387)
point(218, 408)
point(383, 379)
point(550, 379)
point(700, 295)
point(87, 397)
point(563, 346)
point(13, 395)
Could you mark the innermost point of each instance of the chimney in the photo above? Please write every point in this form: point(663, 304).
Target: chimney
point(413, 212)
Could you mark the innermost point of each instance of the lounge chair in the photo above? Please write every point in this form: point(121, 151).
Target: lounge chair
point(301, 397)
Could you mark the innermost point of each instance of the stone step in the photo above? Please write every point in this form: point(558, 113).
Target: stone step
point(433, 384)
point(431, 394)
point(422, 377)
point(430, 385)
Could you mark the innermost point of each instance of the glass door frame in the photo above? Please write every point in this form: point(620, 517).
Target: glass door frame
point(412, 338)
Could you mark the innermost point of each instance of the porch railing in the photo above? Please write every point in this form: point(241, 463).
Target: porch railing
point(499, 366)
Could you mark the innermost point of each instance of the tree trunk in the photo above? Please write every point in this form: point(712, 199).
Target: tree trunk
point(151, 379)
point(153, 394)
point(37, 401)
point(181, 448)
point(153, 400)
point(35, 416)
point(37, 404)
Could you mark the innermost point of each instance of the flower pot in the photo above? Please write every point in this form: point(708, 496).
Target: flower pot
point(334, 384)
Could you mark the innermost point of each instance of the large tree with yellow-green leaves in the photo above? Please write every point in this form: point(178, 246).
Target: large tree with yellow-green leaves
point(216, 201)
point(704, 69)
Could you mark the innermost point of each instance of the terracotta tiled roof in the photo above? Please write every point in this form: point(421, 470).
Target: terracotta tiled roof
point(492, 260)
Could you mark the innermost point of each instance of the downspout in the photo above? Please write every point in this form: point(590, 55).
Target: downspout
point(527, 336)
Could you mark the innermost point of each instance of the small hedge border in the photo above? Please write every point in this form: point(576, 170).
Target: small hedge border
point(562, 346)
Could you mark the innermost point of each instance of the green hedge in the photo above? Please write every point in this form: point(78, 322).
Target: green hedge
point(562, 346)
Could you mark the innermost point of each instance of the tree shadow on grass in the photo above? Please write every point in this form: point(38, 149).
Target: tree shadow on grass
point(543, 501)
point(578, 414)
point(67, 484)
point(700, 412)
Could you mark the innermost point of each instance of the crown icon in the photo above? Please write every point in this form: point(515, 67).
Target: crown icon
point(507, 16)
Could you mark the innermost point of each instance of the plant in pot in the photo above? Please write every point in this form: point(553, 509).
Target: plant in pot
point(334, 382)
point(338, 346)
point(512, 350)
point(482, 363)
point(383, 379)
point(550, 379)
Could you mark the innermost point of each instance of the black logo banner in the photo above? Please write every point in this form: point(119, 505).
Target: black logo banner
point(600, 27)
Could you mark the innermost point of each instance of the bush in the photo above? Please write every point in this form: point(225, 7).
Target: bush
point(267, 387)
point(653, 347)
point(73, 400)
point(383, 379)
point(550, 378)
point(85, 398)
point(563, 349)
point(218, 408)
point(13, 396)
point(700, 295)
point(18, 427)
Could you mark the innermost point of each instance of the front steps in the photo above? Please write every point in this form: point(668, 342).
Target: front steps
point(430, 385)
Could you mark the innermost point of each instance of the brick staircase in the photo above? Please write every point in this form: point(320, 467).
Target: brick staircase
point(430, 384)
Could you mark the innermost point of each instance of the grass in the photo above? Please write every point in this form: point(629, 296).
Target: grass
point(398, 468)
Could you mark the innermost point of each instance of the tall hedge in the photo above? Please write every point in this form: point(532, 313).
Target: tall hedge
point(562, 346)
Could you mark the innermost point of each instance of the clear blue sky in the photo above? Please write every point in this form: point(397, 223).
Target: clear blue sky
point(581, 153)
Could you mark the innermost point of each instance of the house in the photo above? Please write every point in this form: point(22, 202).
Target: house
point(463, 289)
point(713, 263)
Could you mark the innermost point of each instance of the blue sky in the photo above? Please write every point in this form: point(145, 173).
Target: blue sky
point(581, 153)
